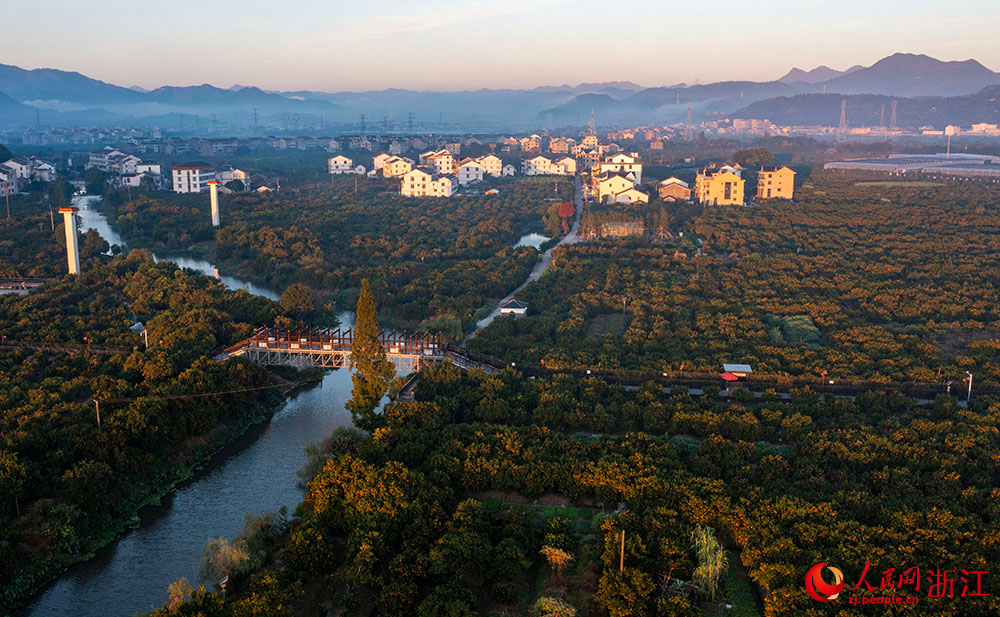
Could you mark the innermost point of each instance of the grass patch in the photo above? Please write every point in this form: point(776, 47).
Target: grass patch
point(609, 323)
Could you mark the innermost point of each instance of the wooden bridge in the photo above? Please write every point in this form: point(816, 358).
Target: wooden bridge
point(331, 348)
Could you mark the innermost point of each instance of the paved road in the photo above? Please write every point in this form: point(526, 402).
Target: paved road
point(536, 273)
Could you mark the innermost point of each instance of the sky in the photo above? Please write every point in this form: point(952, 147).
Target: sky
point(337, 45)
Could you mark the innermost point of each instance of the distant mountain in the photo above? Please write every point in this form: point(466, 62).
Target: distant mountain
point(915, 75)
point(867, 109)
point(67, 97)
point(13, 112)
point(819, 74)
point(604, 86)
point(579, 108)
point(61, 86)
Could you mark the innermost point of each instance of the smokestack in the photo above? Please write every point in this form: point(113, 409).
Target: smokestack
point(213, 189)
point(72, 246)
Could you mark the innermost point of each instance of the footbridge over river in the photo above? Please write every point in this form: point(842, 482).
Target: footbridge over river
point(331, 348)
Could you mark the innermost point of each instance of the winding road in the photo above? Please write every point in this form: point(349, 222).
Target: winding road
point(536, 273)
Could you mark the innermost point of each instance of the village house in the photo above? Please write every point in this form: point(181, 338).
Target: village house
point(469, 171)
point(442, 160)
point(531, 144)
point(192, 177)
point(559, 145)
point(674, 189)
point(719, 185)
point(492, 165)
point(775, 183)
point(606, 187)
point(341, 164)
point(621, 162)
point(424, 182)
point(396, 167)
point(509, 170)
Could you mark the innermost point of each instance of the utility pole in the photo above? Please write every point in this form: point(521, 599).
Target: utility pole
point(6, 196)
point(97, 409)
point(968, 396)
point(52, 220)
point(621, 562)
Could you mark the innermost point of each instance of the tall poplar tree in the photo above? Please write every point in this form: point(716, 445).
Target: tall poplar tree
point(372, 369)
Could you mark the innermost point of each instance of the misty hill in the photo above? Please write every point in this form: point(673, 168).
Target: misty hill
point(817, 75)
point(62, 86)
point(12, 111)
point(915, 75)
point(66, 97)
point(866, 109)
point(579, 107)
point(90, 100)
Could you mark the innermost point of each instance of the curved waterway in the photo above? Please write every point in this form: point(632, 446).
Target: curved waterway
point(91, 218)
point(253, 475)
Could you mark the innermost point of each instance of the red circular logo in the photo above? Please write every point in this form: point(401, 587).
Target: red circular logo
point(820, 590)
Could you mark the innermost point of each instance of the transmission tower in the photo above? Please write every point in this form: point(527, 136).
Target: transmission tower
point(842, 129)
point(654, 116)
point(255, 120)
point(409, 122)
point(592, 128)
point(881, 122)
point(362, 116)
point(678, 98)
point(892, 118)
point(687, 130)
point(385, 124)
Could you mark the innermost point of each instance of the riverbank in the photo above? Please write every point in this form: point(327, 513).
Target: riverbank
point(179, 467)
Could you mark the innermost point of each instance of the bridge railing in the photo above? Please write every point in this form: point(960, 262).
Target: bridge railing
point(336, 340)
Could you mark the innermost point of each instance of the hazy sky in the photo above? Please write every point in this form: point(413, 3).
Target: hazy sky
point(467, 44)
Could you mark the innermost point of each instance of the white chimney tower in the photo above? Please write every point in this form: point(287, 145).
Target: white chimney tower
point(213, 189)
point(72, 246)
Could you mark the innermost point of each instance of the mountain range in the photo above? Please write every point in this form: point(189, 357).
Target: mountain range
point(60, 98)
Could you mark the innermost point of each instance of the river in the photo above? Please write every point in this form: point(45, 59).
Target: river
point(255, 474)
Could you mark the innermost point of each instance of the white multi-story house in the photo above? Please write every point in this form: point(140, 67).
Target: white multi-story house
point(9, 182)
point(21, 167)
point(442, 160)
point(226, 175)
point(542, 166)
point(192, 177)
point(621, 163)
point(396, 167)
point(42, 171)
point(379, 160)
point(422, 182)
point(150, 168)
point(470, 171)
point(509, 170)
point(102, 159)
point(492, 165)
point(341, 164)
point(536, 166)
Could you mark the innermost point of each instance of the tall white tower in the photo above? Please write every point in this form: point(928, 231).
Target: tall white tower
point(72, 246)
point(213, 190)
